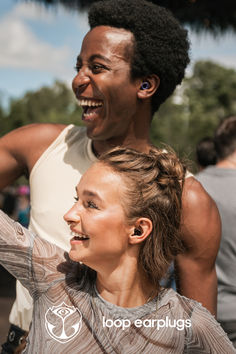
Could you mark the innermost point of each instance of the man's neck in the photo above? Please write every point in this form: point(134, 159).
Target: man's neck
point(99, 147)
point(229, 162)
point(137, 138)
point(136, 135)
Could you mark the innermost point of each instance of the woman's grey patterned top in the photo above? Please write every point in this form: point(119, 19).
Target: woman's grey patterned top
point(71, 317)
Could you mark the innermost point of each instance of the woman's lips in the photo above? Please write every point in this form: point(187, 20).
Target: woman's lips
point(79, 237)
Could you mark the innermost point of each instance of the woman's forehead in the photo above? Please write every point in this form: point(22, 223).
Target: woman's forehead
point(100, 174)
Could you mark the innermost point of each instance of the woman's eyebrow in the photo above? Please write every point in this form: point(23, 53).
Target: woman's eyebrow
point(90, 193)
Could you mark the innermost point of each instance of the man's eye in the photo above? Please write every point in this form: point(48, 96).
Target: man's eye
point(96, 68)
point(77, 68)
point(92, 205)
point(76, 199)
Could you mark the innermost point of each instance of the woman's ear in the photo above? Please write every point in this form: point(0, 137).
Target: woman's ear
point(141, 230)
point(148, 86)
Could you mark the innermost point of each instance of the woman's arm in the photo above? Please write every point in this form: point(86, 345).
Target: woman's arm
point(30, 259)
point(15, 248)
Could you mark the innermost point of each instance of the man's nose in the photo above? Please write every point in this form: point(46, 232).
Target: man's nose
point(80, 82)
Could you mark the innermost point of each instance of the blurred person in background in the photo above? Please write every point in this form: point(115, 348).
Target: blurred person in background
point(23, 205)
point(205, 153)
point(9, 201)
point(220, 182)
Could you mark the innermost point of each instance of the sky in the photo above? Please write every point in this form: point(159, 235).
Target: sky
point(40, 45)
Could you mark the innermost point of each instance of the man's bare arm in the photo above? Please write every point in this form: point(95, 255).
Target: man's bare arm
point(201, 232)
point(21, 148)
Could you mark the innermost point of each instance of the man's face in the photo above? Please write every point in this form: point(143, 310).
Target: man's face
point(103, 85)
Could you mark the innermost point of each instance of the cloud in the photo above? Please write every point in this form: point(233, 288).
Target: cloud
point(21, 48)
point(32, 11)
point(220, 49)
point(227, 60)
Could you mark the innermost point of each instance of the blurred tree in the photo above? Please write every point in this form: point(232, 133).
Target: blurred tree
point(195, 110)
point(214, 16)
point(211, 94)
point(54, 104)
point(2, 119)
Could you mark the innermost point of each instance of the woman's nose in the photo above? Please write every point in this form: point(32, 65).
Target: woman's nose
point(72, 215)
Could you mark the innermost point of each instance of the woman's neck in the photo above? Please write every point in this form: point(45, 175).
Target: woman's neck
point(125, 288)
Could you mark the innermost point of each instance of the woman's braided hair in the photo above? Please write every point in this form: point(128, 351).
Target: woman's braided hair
point(154, 184)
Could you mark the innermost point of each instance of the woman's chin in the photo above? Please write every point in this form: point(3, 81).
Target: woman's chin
point(74, 256)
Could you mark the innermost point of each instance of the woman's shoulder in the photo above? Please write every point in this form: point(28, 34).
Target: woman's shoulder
point(203, 332)
point(177, 303)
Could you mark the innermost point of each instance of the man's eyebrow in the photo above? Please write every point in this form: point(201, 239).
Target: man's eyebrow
point(99, 56)
point(95, 56)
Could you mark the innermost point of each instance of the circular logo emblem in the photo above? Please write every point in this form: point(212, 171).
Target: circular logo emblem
point(63, 322)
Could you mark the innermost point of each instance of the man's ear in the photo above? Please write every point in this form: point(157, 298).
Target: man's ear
point(141, 230)
point(148, 86)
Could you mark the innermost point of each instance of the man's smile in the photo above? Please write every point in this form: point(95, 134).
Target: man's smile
point(91, 108)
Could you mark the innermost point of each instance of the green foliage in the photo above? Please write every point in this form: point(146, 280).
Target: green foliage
point(54, 104)
point(205, 98)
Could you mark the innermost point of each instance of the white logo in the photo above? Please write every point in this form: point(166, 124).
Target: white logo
point(63, 322)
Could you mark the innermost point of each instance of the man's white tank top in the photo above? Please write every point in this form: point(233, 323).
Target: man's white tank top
point(52, 190)
point(53, 180)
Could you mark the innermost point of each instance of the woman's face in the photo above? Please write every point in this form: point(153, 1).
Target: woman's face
point(100, 232)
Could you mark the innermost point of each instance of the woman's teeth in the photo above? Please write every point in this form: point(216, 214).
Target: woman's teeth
point(78, 236)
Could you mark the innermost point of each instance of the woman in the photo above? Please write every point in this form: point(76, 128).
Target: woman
point(105, 297)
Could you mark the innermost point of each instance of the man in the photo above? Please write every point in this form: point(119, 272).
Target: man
point(220, 183)
point(130, 62)
point(205, 153)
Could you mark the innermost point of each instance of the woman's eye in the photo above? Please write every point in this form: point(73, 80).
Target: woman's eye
point(76, 199)
point(92, 205)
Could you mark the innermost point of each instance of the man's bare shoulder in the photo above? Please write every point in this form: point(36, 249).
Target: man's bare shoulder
point(37, 138)
point(200, 232)
point(42, 132)
point(22, 147)
point(201, 226)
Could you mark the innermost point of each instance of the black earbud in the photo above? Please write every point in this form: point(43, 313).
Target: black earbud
point(137, 232)
point(145, 85)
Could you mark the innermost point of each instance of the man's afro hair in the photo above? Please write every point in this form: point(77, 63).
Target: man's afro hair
point(161, 44)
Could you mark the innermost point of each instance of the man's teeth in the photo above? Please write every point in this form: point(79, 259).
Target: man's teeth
point(89, 103)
